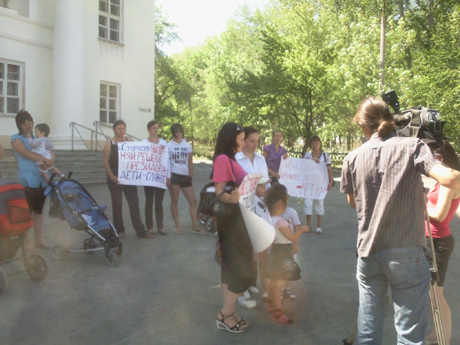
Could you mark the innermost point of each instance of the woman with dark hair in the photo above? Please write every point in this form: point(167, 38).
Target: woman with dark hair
point(273, 154)
point(442, 205)
point(28, 174)
point(110, 158)
point(317, 205)
point(237, 269)
point(155, 193)
point(181, 162)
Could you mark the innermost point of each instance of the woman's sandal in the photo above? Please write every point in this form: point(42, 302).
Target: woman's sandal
point(221, 325)
point(242, 322)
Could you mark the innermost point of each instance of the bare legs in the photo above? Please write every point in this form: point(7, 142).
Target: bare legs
point(230, 299)
point(318, 221)
point(274, 292)
point(189, 194)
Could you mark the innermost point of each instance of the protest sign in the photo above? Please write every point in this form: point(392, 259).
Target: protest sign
point(142, 164)
point(248, 190)
point(261, 233)
point(304, 178)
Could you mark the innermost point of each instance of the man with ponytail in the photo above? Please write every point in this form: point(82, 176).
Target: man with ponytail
point(382, 180)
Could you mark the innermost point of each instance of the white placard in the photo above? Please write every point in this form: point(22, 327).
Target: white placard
point(261, 233)
point(247, 190)
point(142, 164)
point(304, 178)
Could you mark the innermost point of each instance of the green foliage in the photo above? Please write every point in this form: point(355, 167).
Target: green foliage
point(303, 66)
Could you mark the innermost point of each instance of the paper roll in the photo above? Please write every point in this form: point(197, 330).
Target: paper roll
point(261, 233)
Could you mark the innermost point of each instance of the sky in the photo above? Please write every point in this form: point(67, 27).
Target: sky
point(198, 19)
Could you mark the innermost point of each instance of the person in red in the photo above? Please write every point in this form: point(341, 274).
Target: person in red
point(442, 205)
point(237, 269)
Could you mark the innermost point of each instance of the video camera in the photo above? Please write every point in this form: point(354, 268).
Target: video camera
point(423, 123)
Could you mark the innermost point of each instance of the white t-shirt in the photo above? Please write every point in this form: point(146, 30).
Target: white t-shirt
point(291, 216)
point(40, 146)
point(323, 158)
point(258, 166)
point(179, 156)
point(280, 223)
point(261, 210)
point(165, 144)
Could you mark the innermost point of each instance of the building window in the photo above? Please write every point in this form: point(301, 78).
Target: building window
point(109, 108)
point(110, 20)
point(11, 87)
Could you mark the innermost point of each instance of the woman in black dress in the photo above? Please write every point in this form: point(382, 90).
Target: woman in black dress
point(237, 268)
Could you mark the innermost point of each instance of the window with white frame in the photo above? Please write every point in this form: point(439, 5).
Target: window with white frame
point(11, 87)
point(110, 20)
point(109, 103)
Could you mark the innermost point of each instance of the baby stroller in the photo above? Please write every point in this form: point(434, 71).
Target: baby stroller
point(15, 220)
point(70, 201)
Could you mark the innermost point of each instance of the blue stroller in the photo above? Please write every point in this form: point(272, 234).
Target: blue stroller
point(70, 201)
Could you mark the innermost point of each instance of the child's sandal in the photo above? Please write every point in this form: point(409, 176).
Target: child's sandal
point(280, 317)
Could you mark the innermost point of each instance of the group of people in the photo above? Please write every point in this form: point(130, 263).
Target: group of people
point(382, 182)
point(179, 177)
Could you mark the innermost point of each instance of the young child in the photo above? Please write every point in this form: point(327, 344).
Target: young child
point(245, 300)
point(281, 265)
point(41, 145)
point(262, 211)
point(292, 218)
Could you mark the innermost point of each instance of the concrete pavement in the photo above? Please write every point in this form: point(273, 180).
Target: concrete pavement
point(166, 290)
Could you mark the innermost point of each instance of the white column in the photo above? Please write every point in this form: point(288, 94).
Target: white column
point(68, 102)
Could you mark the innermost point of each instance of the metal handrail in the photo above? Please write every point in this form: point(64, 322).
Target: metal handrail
point(99, 125)
point(75, 127)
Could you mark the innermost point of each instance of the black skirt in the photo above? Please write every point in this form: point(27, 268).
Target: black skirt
point(281, 264)
point(238, 270)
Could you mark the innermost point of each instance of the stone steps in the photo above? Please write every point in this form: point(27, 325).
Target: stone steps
point(87, 166)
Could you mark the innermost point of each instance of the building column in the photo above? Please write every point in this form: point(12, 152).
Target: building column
point(68, 102)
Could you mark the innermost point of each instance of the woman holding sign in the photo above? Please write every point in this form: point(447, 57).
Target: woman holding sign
point(110, 158)
point(318, 156)
point(237, 268)
point(273, 154)
point(155, 193)
point(181, 160)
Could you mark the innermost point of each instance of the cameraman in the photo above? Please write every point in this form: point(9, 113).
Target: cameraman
point(382, 179)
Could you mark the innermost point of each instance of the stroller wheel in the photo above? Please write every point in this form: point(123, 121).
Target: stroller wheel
point(59, 253)
point(3, 279)
point(37, 266)
point(112, 258)
point(202, 218)
point(211, 225)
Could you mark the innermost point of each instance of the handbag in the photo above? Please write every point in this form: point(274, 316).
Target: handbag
point(211, 205)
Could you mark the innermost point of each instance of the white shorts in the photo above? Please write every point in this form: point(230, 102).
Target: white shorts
point(315, 205)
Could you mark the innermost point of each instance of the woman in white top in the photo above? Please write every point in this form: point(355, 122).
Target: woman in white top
point(155, 193)
point(181, 161)
point(316, 205)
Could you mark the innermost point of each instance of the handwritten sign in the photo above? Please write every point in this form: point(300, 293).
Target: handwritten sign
point(142, 164)
point(248, 190)
point(304, 178)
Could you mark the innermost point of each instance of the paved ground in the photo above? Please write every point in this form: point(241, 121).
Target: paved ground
point(165, 290)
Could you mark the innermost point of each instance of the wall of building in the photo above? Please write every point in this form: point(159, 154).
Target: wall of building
point(28, 36)
point(29, 42)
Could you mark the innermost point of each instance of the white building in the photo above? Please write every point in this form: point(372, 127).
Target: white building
point(76, 61)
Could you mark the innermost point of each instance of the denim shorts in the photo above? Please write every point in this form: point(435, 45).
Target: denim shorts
point(443, 248)
point(181, 180)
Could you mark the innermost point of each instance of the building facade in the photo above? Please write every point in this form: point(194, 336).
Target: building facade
point(77, 61)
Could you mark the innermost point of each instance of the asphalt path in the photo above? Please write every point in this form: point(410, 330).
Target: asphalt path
point(166, 290)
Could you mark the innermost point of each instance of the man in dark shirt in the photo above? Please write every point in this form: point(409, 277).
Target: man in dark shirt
point(382, 180)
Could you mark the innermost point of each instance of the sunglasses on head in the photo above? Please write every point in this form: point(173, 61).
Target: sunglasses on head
point(239, 128)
